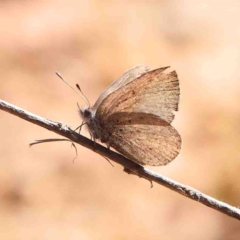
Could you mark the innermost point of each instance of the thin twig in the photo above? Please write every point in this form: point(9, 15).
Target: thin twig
point(65, 131)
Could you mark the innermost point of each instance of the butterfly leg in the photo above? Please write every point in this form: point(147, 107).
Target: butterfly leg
point(94, 140)
point(108, 146)
point(133, 173)
point(107, 160)
point(91, 137)
point(80, 127)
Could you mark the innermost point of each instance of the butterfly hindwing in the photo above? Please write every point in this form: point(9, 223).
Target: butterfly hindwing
point(144, 138)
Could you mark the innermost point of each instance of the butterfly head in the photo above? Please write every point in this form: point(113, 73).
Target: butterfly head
point(86, 114)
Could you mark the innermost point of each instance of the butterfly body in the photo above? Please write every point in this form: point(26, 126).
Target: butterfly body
point(134, 113)
point(97, 131)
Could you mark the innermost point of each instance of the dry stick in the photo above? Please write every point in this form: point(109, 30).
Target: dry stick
point(65, 131)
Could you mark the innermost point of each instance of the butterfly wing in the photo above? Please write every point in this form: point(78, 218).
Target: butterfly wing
point(154, 92)
point(144, 138)
point(127, 77)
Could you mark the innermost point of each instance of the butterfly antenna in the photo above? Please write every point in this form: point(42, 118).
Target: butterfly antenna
point(78, 87)
point(78, 106)
point(81, 95)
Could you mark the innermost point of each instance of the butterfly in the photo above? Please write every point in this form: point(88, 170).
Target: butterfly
point(133, 116)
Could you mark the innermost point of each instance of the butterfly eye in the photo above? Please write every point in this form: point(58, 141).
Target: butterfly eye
point(86, 113)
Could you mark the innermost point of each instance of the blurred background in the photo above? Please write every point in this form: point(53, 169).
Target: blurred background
point(43, 194)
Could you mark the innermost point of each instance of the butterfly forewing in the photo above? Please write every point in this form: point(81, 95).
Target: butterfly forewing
point(144, 138)
point(154, 92)
point(127, 77)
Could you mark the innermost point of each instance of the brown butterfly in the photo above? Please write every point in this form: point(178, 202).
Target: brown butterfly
point(133, 115)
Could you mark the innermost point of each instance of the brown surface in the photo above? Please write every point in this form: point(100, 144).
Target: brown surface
point(42, 194)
